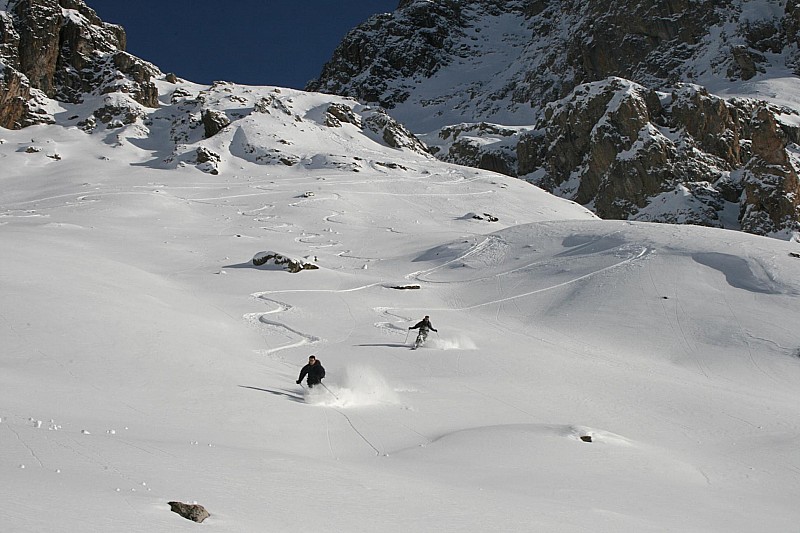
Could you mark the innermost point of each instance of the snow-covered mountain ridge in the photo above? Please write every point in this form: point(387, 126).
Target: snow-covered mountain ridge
point(446, 67)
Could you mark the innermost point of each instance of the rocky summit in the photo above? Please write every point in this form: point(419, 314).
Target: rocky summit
point(662, 111)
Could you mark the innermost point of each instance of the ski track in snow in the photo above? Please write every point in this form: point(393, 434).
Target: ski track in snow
point(396, 316)
point(259, 319)
point(635, 255)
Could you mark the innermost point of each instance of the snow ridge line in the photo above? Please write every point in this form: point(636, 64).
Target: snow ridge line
point(475, 249)
point(642, 253)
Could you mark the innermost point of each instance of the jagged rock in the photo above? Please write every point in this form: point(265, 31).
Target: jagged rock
point(204, 155)
point(614, 146)
point(214, 122)
point(336, 114)
point(293, 265)
point(392, 132)
point(272, 102)
point(179, 93)
point(14, 94)
point(772, 202)
point(118, 111)
point(582, 135)
point(482, 145)
point(207, 160)
point(406, 43)
point(64, 50)
point(393, 166)
point(405, 287)
point(190, 511)
point(141, 89)
point(485, 216)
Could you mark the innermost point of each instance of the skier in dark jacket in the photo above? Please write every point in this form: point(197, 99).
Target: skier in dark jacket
point(314, 370)
point(424, 326)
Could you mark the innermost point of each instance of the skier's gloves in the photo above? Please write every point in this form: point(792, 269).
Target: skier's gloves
point(298, 382)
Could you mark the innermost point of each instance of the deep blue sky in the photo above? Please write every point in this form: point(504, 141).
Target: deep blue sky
point(252, 42)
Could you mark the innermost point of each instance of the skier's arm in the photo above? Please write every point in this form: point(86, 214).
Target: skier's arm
point(415, 326)
point(303, 373)
point(322, 371)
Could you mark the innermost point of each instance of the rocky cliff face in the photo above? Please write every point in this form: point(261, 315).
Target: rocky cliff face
point(61, 50)
point(526, 53)
point(625, 107)
point(686, 156)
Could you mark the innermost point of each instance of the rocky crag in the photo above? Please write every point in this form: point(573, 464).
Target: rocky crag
point(60, 50)
point(660, 111)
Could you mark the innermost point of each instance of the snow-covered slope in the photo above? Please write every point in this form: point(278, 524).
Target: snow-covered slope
point(145, 359)
point(586, 375)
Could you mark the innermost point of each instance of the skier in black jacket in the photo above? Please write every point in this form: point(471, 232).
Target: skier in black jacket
point(314, 370)
point(424, 326)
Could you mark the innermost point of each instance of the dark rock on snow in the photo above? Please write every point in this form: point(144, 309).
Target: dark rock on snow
point(190, 511)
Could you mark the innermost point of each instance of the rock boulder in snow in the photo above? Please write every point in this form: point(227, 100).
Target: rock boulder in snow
point(190, 511)
point(293, 265)
point(214, 121)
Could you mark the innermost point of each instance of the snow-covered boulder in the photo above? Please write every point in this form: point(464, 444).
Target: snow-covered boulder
point(214, 121)
point(291, 264)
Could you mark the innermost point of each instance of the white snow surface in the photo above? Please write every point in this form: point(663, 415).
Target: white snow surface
point(144, 359)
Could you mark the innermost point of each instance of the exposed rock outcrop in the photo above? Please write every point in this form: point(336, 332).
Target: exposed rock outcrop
point(616, 146)
point(15, 91)
point(190, 511)
point(64, 50)
point(392, 133)
point(214, 121)
point(293, 265)
point(482, 145)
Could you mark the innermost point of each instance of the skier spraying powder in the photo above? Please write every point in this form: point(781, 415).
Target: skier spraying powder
point(423, 326)
point(315, 372)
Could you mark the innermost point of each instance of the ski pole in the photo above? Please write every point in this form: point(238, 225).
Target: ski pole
point(407, 334)
point(327, 389)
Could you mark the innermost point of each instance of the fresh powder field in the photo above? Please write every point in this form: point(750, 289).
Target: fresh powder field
point(587, 375)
